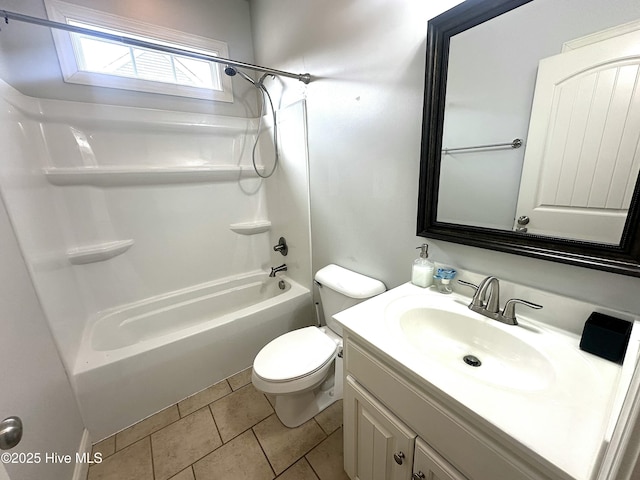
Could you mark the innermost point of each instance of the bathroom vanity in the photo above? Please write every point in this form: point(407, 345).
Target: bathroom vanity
point(537, 407)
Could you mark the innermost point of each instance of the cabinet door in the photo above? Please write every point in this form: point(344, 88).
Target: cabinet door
point(377, 445)
point(428, 465)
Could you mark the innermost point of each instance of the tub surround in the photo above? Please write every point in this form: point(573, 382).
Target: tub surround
point(561, 430)
point(120, 208)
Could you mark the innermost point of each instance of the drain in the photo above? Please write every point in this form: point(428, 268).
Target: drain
point(471, 360)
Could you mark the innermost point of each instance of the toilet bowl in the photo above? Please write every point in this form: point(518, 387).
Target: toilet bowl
point(302, 369)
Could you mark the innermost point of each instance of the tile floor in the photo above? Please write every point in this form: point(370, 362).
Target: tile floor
point(228, 431)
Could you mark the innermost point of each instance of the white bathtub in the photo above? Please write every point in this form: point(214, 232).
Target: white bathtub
point(139, 358)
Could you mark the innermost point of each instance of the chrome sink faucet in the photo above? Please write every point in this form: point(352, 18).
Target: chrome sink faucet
point(486, 301)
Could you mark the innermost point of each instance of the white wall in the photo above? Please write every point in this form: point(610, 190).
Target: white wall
point(364, 117)
point(32, 64)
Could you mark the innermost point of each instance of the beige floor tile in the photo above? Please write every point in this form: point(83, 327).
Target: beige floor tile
point(241, 458)
point(240, 379)
point(239, 411)
point(180, 444)
point(146, 427)
point(301, 470)
point(186, 474)
point(131, 463)
point(330, 419)
point(203, 398)
point(327, 458)
point(105, 447)
point(283, 445)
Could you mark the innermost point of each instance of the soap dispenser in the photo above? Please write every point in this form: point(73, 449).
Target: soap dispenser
point(422, 272)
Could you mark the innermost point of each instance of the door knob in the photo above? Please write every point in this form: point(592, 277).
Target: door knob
point(418, 476)
point(10, 432)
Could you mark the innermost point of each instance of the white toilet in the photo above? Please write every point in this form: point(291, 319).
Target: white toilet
point(303, 368)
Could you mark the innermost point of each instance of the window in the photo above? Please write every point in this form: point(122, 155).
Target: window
point(102, 62)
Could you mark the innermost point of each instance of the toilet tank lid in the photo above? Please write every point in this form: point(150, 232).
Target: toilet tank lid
point(349, 283)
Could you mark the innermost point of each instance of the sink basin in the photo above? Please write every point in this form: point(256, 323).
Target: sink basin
point(450, 334)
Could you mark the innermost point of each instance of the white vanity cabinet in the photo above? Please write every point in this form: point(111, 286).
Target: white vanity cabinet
point(428, 465)
point(381, 447)
point(395, 429)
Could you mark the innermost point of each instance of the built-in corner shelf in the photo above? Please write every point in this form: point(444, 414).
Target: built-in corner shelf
point(112, 176)
point(251, 228)
point(98, 252)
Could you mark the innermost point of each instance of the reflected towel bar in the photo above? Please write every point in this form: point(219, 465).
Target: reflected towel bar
point(516, 143)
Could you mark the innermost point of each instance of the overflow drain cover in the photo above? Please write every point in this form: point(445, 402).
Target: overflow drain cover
point(471, 360)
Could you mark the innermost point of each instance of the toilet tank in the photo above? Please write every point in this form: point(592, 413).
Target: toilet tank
point(341, 288)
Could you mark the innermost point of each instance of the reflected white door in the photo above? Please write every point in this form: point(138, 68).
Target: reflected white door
point(583, 153)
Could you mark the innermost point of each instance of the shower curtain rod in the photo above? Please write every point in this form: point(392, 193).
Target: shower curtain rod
point(303, 77)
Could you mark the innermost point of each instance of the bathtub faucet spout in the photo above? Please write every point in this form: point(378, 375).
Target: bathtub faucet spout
point(281, 268)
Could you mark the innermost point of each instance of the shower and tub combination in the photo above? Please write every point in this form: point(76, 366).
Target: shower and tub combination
point(157, 351)
point(149, 236)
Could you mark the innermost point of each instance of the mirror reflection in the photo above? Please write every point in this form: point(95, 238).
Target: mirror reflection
point(541, 127)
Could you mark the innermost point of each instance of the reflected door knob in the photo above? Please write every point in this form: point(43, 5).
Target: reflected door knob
point(522, 221)
point(399, 458)
point(10, 432)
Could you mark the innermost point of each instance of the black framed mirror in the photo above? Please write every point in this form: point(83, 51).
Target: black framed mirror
point(619, 256)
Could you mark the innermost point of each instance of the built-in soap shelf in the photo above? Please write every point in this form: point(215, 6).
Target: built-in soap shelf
point(111, 176)
point(98, 252)
point(251, 228)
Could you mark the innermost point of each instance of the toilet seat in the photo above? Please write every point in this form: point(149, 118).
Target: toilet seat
point(294, 355)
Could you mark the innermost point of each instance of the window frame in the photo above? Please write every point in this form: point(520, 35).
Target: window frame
point(60, 11)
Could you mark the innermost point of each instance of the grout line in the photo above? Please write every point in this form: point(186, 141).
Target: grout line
point(326, 435)
point(263, 452)
point(215, 424)
point(297, 461)
point(311, 466)
point(153, 465)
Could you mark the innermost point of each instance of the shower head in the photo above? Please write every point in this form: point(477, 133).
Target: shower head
point(233, 71)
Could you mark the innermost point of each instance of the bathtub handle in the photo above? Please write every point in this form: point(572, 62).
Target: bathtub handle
point(281, 247)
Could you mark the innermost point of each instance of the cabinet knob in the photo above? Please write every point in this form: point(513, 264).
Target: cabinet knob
point(418, 476)
point(398, 457)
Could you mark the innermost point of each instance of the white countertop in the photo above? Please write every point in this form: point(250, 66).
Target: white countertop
point(567, 422)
